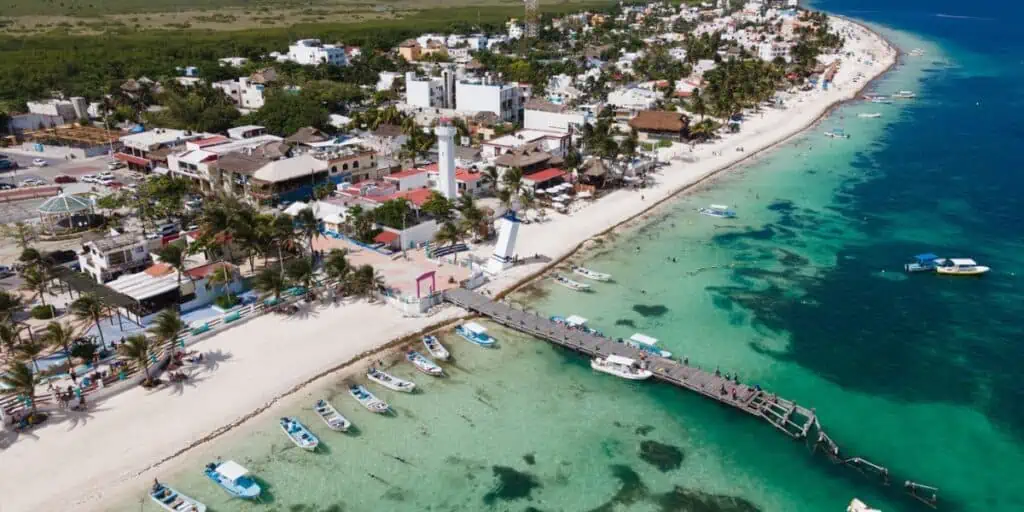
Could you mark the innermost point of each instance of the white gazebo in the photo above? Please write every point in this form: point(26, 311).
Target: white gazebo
point(63, 206)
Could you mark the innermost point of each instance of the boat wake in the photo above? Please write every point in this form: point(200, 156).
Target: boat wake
point(962, 17)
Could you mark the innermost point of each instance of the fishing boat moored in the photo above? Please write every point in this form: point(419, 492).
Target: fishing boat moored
point(299, 434)
point(364, 397)
point(869, 115)
point(922, 263)
point(475, 333)
point(234, 479)
point(837, 133)
point(390, 381)
point(647, 344)
point(423, 364)
point(174, 501)
point(622, 367)
point(959, 267)
point(904, 95)
point(331, 416)
point(717, 210)
point(436, 349)
point(591, 274)
point(570, 284)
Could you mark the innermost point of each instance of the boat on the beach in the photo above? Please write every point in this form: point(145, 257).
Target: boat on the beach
point(364, 397)
point(570, 284)
point(869, 115)
point(959, 267)
point(475, 333)
point(922, 263)
point(435, 348)
point(859, 506)
point(647, 344)
point(390, 381)
point(904, 95)
point(837, 133)
point(234, 479)
point(423, 364)
point(331, 416)
point(299, 434)
point(591, 274)
point(174, 501)
point(576, 322)
point(720, 211)
point(622, 367)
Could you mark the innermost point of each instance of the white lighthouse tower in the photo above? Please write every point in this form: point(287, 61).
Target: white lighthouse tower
point(446, 159)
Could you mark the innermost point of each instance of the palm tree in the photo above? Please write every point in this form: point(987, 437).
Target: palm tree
point(270, 280)
point(36, 280)
point(10, 335)
point(89, 308)
point(9, 304)
point(176, 256)
point(223, 275)
point(217, 221)
point(167, 326)
point(300, 272)
point(283, 233)
point(137, 348)
point(29, 350)
point(451, 234)
point(513, 179)
point(20, 378)
point(336, 265)
point(308, 225)
point(527, 201)
point(365, 280)
point(697, 104)
point(61, 336)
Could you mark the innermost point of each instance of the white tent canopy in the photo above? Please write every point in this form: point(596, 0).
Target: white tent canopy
point(294, 208)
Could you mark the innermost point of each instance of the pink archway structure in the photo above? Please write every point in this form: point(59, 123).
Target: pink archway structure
point(433, 282)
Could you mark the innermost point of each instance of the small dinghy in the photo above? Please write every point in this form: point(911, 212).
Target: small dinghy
point(174, 501)
point(234, 479)
point(570, 284)
point(331, 416)
point(364, 397)
point(475, 333)
point(390, 381)
point(719, 211)
point(423, 364)
point(591, 274)
point(869, 115)
point(299, 434)
point(436, 349)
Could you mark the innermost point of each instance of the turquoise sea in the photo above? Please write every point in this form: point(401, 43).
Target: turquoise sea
point(802, 294)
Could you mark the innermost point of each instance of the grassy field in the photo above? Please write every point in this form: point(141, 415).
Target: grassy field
point(88, 17)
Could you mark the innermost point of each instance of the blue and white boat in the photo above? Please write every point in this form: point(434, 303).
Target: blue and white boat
point(647, 344)
point(922, 263)
point(717, 210)
point(435, 348)
point(364, 397)
point(234, 479)
point(390, 381)
point(331, 416)
point(299, 434)
point(575, 322)
point(174, 501)
point(475, 333)
point(423, 364)
point(837, 133)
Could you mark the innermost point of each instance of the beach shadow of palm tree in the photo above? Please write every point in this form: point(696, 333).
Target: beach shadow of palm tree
point(178, 387)
point(212, 359)
point(75, 418)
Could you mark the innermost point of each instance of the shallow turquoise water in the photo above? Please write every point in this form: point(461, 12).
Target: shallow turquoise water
point(783, 295)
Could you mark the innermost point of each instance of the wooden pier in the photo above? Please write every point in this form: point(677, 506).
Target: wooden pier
point(794, 420)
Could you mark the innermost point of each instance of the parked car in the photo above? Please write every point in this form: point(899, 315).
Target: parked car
point(105, 180)
point(8, 186)
point(89, 178)
point(8, 165)
point(39, 162)
point(116, 164)
point(64, 178)
point(33, 182)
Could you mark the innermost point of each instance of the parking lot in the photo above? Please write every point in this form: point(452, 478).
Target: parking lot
point(29, 174)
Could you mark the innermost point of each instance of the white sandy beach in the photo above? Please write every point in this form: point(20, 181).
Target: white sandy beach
point(85, 463)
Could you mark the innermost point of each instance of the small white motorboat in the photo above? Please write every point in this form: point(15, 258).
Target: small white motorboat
point(570, 284)
point(859, 506)
point(869, 115)
point(720, 211)
point(299, 434)
point(331, 416)
point(959, 267)
point(423, 364)
point(591, 274)
point(390, 381)
point(435, 348)
point(837, 133)
point(622, 367)
point(364, 397)
point(647, 344)
point(174, 501)
point(476, 334)
point(904, 95)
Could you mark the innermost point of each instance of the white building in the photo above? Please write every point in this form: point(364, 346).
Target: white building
point(515, 29)
point(386, 79)
point(424, 92)
point(633, 98)
point(771, 51)
point(554, 143)
point(235, 62)
point(69, 110)
point(110, 257)
point(540, 115)
point(311, 52)
point(504, 100)
point(243, 92)
point(446, 160)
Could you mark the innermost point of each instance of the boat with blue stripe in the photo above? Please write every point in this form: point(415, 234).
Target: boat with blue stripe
point(476, 334)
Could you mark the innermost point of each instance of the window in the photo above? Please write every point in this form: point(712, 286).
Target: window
point(334, 170)
point(355, 165)
point(344, 167)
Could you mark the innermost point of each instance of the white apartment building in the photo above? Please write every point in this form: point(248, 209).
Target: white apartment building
point(311, 52)
point(424, 92)
point(504, 100)
point(385, 79)
point(771, 51)
point(633, 99)
point(107, 258)
point(243, 92)
point(69, 110)
point(541, 115)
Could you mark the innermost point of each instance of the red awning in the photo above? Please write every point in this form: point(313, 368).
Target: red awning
point(545, 175)
point(386, 237)
point(137, 160)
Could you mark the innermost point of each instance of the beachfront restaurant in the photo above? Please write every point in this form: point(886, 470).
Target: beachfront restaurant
point(291, 179)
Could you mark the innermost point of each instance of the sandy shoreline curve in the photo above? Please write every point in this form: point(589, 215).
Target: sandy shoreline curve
point(89, 461)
